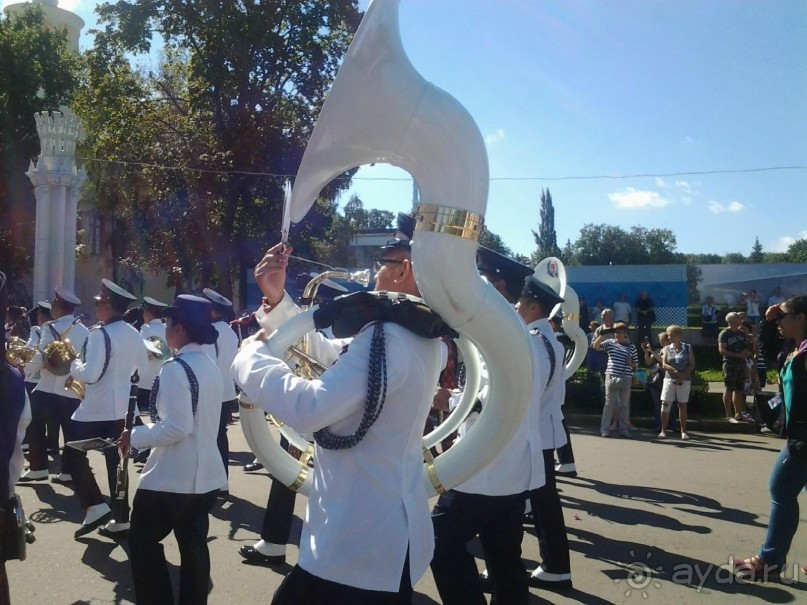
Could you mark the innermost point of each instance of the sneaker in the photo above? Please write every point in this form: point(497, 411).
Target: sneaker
point(684, 436)
point(733, 420)
point(747, 417)
point(662, 435)
point(604, 434)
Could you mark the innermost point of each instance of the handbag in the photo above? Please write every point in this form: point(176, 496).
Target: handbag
point(12, 530)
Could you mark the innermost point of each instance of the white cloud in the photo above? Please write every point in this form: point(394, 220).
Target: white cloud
point(718, 208)
point(689, 140)
point(495, 137)
point(783, 243)
point(631, 199)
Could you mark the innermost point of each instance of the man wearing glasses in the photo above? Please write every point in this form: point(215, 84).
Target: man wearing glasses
point(113, 352)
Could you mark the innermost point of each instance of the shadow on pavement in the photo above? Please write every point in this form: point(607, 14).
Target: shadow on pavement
point(683, 501)
point(643, 570)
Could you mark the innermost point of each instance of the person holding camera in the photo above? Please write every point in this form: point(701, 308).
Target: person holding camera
point(622, 361)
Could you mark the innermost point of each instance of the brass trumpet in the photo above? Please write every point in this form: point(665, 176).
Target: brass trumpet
point(18, 353)
point(59, 354)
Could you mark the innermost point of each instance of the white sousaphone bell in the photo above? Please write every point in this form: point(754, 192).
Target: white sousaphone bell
point(551, 272)
point(380, 109)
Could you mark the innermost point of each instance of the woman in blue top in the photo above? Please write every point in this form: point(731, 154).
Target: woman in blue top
point(789, 474)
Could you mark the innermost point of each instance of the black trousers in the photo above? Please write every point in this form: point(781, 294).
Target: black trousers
point(279, 510)
point(645, 328)
point(303, 588)
point(42, 413)
point(85, 484)
point(221, 440)
point(565, 453)
point(51, 422)
point(498, 520)
point(550, 528)
point(154, 516)
point(143, 397)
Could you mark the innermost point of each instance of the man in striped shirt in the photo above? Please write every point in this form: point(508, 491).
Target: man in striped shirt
point(622, 360)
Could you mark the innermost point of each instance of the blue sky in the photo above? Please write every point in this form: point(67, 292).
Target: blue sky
point(569, 89)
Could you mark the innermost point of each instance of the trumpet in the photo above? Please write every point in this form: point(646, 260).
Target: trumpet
point(18, 353)
point(59, 354)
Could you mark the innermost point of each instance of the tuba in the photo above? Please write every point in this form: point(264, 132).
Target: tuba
point(18, 353)
point(59, 354)
point(157, 348)
point(380, 109)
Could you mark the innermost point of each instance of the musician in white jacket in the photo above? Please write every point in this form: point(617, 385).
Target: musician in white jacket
point(367, 536)
point(113, 352)
point(178, 485)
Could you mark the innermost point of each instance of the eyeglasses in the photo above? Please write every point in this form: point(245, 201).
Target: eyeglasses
point(380, 262)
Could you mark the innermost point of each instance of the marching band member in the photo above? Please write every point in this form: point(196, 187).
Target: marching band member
point(491, 503)
point(534, 306)
point(113, 351)
point(152, 328)
point(356, 547)
point(50, 395)
point(178, 485)
point(223, 354)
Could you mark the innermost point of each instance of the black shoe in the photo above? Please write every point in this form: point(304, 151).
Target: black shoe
point(258, 558)
point(141, 457)
point(485, 582)
point(253, 466)
point(113, 535)
point(25, 479)
point(91, 527)
point(58, 479)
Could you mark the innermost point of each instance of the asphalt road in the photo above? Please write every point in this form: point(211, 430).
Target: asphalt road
point(649, 521)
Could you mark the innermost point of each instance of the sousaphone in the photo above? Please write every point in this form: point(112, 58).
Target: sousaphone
point(380, 109)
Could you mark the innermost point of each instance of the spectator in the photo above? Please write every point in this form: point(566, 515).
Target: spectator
point(655, 374)
point(709, 321)
point(678, 360)
point(622, 311)
point(645, 316)
point(751, 301)
point(584, 317)
point(732, 345)
point(776, 297)
point(789, 473)
point(622, 361)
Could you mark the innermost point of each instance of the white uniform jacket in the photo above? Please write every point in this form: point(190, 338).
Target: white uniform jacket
point(368, 503)
point(32, 376)
point(155, 327)
point(184, 458)
point(519, 467)
point(551, 417)
point(107, 396)
point(48, 381)
point(223, 353)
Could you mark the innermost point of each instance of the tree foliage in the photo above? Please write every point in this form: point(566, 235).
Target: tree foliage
point(546, 238)
point(232, 102)
point(734, 258)
point(757, 255)
point(609, 244)
point(38, 73)
point(797, 251)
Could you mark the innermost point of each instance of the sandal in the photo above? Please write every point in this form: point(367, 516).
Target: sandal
point(755, 570)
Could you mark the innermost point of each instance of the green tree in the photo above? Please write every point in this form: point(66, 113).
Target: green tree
point(546, 238)
point(797, 251)
point(734, 258)
point(757, 255)
point(609, 244)
point(38, 73)
point(233, 101)
point(703, 259)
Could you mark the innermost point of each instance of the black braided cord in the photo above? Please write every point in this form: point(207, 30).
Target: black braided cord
point(155, 388)
point(376, 385)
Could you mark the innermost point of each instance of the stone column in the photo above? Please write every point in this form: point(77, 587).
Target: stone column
point(57, 185)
